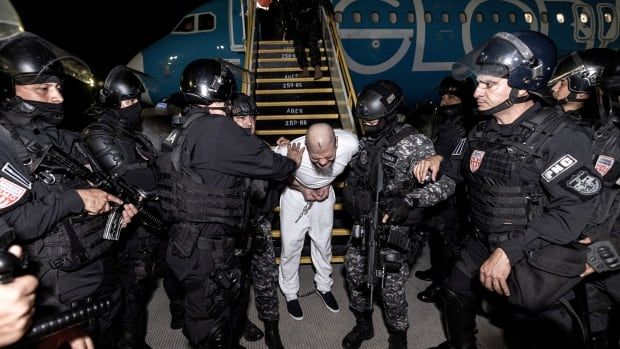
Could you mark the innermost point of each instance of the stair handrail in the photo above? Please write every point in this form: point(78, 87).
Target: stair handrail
point(251, 48)
point(340, 73)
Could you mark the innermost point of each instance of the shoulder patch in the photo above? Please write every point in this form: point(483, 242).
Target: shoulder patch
point(604, 164)
point(11, 172)
point(557, 168)
point(475, 160)
point(458, 150)
point(584, 183)
point(10, 193)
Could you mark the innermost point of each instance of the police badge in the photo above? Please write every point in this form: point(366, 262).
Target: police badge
point(475, 160)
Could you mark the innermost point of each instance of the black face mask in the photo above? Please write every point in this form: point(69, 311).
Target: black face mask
point(374, 130)
point(131, 115)
point(450, 110)
point(52, 113)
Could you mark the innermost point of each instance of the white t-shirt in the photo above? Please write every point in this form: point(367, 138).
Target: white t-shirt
point(314, 177)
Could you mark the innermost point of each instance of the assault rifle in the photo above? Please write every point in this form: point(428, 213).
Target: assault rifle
point(51, 157)
point(372, 238)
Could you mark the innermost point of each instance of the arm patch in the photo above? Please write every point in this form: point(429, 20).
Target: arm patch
point(583, 183)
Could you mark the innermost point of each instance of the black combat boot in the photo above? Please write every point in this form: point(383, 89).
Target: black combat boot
point(251, 332)
point(362, 331)
point(272, 335)
point(460, 316)
point(398, 339)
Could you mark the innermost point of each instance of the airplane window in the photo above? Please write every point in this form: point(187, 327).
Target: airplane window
point(544, 17)
point(479, 17)
point(393, 17)
point(374, 17)
point(410, 17)
point(445, 17)
point(428, 17)
point(583, 17)
point(495, 17)
point(338, 17)
point(528, 17)
point(206, 22)
point(608, 17)
point(559, 17)
point(462, 17)
point(357, 17)
point(512, 18)
point(186, 25)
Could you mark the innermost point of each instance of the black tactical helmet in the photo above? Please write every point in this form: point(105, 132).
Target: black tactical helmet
point(378, 100)
point(526, 58)
point(581, 69)
point(608, 85)
point(28, 59)
point(459, 88)
point(204, 81)
point(243, 105)
point(120, 84)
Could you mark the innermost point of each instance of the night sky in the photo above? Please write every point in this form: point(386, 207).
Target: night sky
point(105, 34)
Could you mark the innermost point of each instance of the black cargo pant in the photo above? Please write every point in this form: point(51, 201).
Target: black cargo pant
point(307, 35)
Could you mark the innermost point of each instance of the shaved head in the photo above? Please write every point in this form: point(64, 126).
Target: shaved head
point(321, 143)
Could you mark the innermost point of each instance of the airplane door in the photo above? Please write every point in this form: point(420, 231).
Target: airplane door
point(608, 24)
point(584, 23)
point(236, 20)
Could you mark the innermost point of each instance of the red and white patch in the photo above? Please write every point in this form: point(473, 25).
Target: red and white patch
point(10, 193)
point(604, 164)
point(475, 160)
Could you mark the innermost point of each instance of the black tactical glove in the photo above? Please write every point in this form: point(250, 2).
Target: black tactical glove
point(398, 210)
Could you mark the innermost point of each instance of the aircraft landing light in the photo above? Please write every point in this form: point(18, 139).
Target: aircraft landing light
point(294, 90)
point(296, 117)
point(294, 103)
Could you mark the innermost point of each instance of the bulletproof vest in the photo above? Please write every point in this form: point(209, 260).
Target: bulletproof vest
point(116, 150)
point(606, 150)
point(362, 180)
point(184, 195)
point(501, 200)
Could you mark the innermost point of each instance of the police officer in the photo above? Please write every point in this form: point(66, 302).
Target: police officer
point(444, 220)
point(526, 187)
point(203, 165)
point(603, 231)
point(305, 23)
point(117, 147)
point(263, 199)
point(392, 148)
point(573, 84)
point(58, 216)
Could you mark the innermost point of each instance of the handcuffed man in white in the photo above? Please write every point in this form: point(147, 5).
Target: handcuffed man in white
point(307, 206)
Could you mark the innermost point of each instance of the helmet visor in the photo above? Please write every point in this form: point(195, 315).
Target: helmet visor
point(10, 24)
point(567, 66)
point(40, 65)
point(497, 57)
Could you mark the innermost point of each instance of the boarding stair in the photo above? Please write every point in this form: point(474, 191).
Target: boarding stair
point(288, 104)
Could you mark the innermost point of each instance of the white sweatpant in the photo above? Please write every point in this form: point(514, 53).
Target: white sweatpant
point(318, 224)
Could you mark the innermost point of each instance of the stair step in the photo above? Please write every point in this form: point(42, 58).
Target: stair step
point(301, 83)
point(296, 117)
point(335, 232)
point(284, 62)
point(281, 108)
point(286, 69)
point(292, 131)
point(294, 90)
point(296, 103)
point(290, 98)
point(308, 260)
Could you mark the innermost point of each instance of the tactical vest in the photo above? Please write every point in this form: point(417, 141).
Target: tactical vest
point(501, 201)
point(74, 241)
point(361, 182)
point(184, 196)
